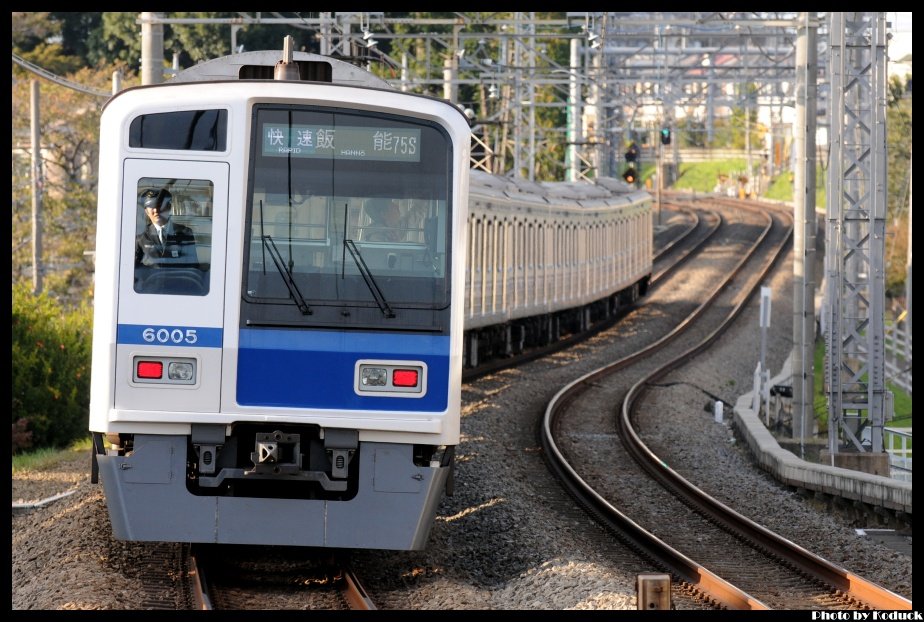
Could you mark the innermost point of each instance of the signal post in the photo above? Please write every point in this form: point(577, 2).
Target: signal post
point(665, 140)
point(631, 175)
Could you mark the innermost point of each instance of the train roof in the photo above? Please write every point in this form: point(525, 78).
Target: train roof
point(604, 191)
point(260, 64)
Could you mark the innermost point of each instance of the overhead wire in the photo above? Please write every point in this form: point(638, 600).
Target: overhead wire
point(58, 79)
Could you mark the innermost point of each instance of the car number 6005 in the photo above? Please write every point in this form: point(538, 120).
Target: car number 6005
point(166, 335)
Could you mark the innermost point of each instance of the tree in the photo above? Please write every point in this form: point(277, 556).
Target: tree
point(898, 137)
point(731, 132)
point(35, 39)
point(81, 33)
point(120, 40)
point(69, 126)
point(200, 42)
point(31, 29)
point(691, 132)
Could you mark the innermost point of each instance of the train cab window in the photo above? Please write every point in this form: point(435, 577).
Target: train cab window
point(348, 216)
point(173, 236)
point(187, 130)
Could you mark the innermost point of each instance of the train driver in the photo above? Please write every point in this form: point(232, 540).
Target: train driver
point(163, 243)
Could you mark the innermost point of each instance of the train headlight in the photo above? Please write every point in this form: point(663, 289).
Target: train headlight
point(374, 376)
point(180, 371)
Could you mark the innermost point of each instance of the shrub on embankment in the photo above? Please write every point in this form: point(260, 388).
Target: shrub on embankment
point(50, 369)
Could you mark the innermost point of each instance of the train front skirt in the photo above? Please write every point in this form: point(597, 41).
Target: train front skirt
point(394, 508)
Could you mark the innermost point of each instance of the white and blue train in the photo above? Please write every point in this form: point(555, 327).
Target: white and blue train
point(286, 267)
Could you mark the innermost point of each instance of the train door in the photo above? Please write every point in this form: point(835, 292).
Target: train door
point(171, 300)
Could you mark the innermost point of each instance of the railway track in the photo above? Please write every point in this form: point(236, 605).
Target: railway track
point(706, 546)
point(242, 578)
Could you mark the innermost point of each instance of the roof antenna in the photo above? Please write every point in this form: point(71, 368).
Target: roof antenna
point(286, 69)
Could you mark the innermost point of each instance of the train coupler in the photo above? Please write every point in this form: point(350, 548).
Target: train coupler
point(276, 453)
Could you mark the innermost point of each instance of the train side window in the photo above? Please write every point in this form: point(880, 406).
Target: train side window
point(173, 236)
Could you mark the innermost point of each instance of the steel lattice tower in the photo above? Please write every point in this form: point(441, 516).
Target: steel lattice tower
point(855, 231)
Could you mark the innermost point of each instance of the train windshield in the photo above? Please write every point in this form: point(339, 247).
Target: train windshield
point(348, 220)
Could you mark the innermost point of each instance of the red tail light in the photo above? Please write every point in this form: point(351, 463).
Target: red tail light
point(150, 369)
point(405, 378)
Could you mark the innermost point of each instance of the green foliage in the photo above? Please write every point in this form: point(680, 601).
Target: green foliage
point(733, 132)
point(901, 408)
point(30, 28)
point(703, 176)
point(901, 403)
point(80, 35)
point(270, 37)
point(819, 399)
point(48, 457)
point(50, 369)
point(781, 188)
point(896, 90)
point(121, 39)
point(33, 34)
point(691, 133)
point(898, 129)
point(200, 42)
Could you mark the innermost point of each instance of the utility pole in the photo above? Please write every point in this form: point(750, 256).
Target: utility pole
point(908, 272)
point(660, 177)
point(325, 32)
point(572, 159)
point(36, 189)
point(152, 48)
point(803, 305)
point(747, 120)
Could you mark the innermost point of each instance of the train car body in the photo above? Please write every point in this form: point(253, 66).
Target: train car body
point(545, 258)
point(280, 364)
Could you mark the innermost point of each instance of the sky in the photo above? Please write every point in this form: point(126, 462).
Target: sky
point(900, 21)
point(900, 45)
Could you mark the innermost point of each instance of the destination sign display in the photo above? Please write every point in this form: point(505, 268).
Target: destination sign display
point(342, 143)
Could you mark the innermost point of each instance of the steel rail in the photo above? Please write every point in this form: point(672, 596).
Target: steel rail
point(722, 591)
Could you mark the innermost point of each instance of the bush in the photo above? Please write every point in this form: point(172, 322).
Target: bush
point(51, 370)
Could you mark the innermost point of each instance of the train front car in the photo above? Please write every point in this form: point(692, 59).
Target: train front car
point(277, 343)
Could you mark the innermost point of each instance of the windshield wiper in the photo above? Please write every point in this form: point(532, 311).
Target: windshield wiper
point(369, 279)
point(286, 275)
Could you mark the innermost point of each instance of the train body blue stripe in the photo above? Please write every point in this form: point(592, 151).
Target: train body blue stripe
point(186, 336)
point(316, 368)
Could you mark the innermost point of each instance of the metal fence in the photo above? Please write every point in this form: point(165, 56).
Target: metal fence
point(897, 442)
point(898, 357)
